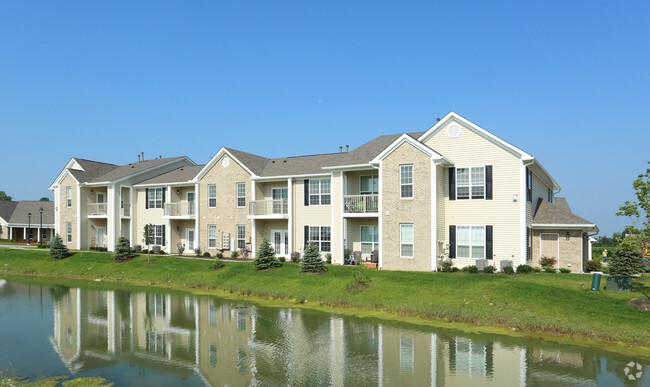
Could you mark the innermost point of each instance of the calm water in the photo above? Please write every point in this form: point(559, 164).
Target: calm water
point(160, 339)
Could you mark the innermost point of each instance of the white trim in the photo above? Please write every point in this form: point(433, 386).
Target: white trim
point(400, 240)
point(207, 188)
point(332, 239)
point(61, 176)
point(132, 216)
point(562, 226)
point(470, 186)
point(319, 236)
point(213, 161)
point(539, 260)
point(380, 199)
point(281, 177)
point(197, 218)
point(361, 237)
point(110, 221)
point(320, 193)
point(290, 214)
point(434, 216)
point(351, 167)
point(237, 197)
point(412, 182)
point(470, 241)
point(78, 216)
point(188, 183)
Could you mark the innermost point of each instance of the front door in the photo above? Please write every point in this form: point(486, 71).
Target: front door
point(101, 236)
point(280, 241)
point(189, 239)
point(280, 195)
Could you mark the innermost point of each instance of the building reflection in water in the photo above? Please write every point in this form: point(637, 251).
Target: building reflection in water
point(238, 344)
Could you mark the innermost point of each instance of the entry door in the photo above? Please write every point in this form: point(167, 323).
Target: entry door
point(101, 236)
point(279, 195)
point(550, 246)
point(280, 240)
point(189, 238)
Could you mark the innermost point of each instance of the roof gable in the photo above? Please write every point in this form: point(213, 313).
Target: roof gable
point(405, 138)
point(213, 161)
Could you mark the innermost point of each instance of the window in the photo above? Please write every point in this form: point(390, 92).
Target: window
point(322, 237)
point(158, 231)
point(406, 240)
point(212, 195)
point(241, 194)
point(369, 185)
point(369, 239)
point(406, 181)
point(155, 198)
point(241, 236)
point(470, 183)
point(550, 195)
point(529, 185)
point(319, 192)
point(68, 228)
point(470, 242)
point(68, 196)
point(212, 236)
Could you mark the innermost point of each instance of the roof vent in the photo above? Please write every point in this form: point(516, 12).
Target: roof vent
point(453, 130)
point(341, 149)
point(138, 159)
point(347, 148)
point(284, 161)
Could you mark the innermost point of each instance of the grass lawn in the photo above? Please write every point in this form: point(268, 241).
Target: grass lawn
point(543, 303)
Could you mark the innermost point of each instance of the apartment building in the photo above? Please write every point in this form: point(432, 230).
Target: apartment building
point(409, 201)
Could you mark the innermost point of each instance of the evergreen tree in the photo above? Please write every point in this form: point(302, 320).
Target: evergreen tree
point(626, 260)
point(265, 256)
point(57, 249)
point(311, 260)
point(123, 250)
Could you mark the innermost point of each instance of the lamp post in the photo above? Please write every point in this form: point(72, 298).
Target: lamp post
point(40, 230)
point(29, 217)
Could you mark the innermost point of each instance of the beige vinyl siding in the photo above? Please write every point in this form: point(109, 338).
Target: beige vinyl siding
point(354, 180)
point(442, 228)
point(354, 232)
point(307, 215)
point(470, 149)
point(146, 215)
point(267, 189)
point(337, 205)
point(540, 190)
point(226, 216)
point(416, 210)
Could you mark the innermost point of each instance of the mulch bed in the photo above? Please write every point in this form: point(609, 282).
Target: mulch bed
point(642, 303)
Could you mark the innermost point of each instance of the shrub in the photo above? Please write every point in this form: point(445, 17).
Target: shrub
point(311, 260)
point(361, 279)
point(137, 248)
point(123, 250)
point(144, 251)
point(234, 254)
point(489, 269)
point(282, 259)
point(593, 265)
point(508, 269)
point(207, 254)
point(218, 263)
point(446, 266)
point(58, 250)
point(605, 270)
point(626, 261)
point(470, 269)
point(180, 246)
point(537, 269)
point(162, 252)
point(328, 258)
point(219, 255)
point(524, 269)
point(547, 261)
point(454, 269)
point(265, 259)
point(548, 269)
point(565, 270)
point(198, 251)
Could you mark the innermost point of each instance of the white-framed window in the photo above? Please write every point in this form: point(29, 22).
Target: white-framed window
point(212, 195)
point(241, 194)
point(322, 237)
point(470, 242)
point(155, 198)
point(212, 236)
point(68, 232)
point(320, 192)
point(550, 195)
point(406, 181)
point(470, 183)
point(369, 239)
point(158, 234)
point(406, 238)
point(68, 196)
point(369, 184)
point(241, 236)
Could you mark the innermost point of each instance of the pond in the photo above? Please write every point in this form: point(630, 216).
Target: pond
point(149, 337)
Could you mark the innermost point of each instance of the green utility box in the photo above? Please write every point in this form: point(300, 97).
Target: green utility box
point(619, 283)
point(595, 282)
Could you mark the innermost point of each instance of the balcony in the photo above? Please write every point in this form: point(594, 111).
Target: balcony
point(125, 210)
point(269, 209)
point(97, 209)
point(180, 210)
point(361, 204)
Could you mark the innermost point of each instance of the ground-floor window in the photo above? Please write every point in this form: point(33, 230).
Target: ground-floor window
point(470, 242)
point(158, 231)
point(241, 236)
point(212, 236)
point(369, 239)
point(68, 227)
point(406, 239)
point(322, 237)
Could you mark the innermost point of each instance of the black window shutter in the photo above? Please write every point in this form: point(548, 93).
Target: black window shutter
point(163, 195)
point(488, 242)
point(306, 235)
point(163, 234)
point(488, 182)
point(529, 185)
point(306, 192)
point(146, 198)
point(452, 183)
point(452, 241)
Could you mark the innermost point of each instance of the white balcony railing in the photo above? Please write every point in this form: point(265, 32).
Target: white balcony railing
point(97, 209)
point(269, 207)
point(126, 209)
point(360, 204)
point(179, 209)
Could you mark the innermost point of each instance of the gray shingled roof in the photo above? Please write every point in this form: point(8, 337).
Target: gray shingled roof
point(253, 162)
point(7, 208)
point(557, 213)
point(180, 175)
point(20, 216)
point(130, 169)
point(92, 169)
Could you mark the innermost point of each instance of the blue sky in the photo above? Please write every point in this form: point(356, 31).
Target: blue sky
point(105, 80)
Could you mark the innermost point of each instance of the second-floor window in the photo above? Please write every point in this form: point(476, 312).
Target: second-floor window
point(241, 194)
point(470, 183)
point(68, 196)
point(406, 181)
point(212, 195)
point(369, 185)
point(155, 198)
point(319, 192)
